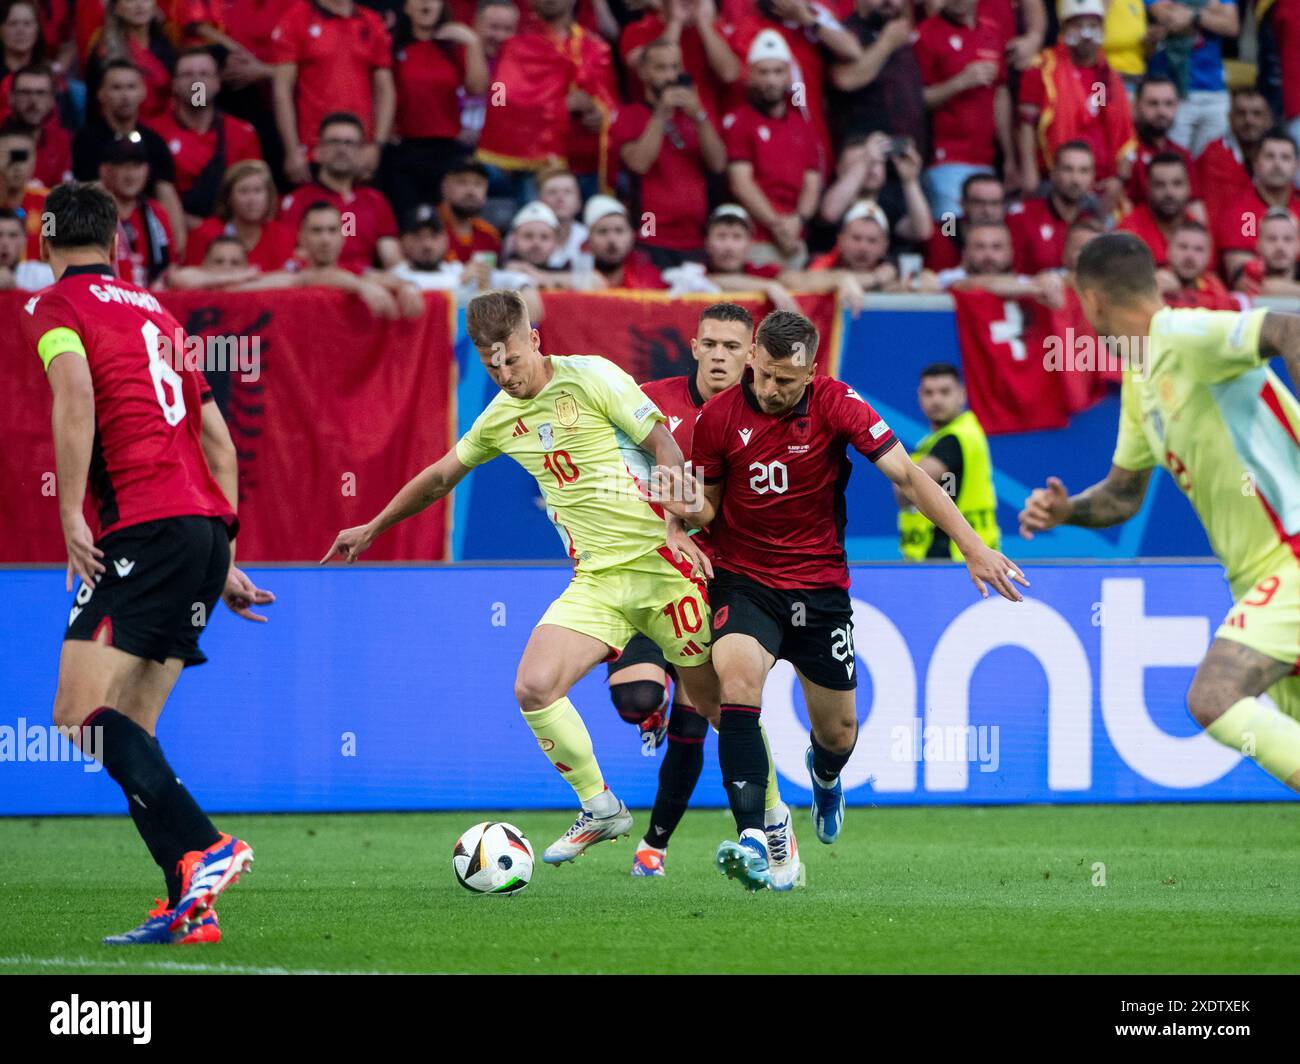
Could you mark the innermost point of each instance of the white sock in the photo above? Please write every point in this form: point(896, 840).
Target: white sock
point(603, 805)
point(646, 846)
point(776, 815)
point(823, 781)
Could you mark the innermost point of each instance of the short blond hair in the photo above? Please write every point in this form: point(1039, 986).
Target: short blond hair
point(235, 174)
point(494, 317)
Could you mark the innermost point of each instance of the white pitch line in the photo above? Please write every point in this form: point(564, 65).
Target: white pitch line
point(27, 961)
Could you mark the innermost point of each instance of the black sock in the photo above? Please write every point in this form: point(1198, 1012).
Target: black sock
point(135, 761)
point(162, 849)
point(679, 773)
point(826, 765)
point(743, 759)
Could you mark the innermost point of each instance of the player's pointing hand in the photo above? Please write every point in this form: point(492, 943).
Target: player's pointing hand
point(989, 568)
point(1045, 508)
point(350, 543)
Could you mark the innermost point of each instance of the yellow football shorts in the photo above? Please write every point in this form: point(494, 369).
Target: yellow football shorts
point(653, 595)
point(1266, 618)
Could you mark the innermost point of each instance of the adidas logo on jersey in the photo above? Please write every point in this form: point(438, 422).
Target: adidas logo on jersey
point(520, 428)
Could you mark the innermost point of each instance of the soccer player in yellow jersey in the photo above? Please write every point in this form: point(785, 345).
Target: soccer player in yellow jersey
point(1202, 403)
point(583, 428)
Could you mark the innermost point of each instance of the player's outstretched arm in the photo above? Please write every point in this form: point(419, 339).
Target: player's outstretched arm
point(419, 493)
point(73, 422)
point(1108, 502)
point(988, 568)
point(1280, 335)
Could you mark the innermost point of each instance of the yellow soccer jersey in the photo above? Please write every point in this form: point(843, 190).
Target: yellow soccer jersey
point(578, 437)
point(1206, 407)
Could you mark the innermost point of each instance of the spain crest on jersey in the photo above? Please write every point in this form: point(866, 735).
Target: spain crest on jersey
point(566, 410)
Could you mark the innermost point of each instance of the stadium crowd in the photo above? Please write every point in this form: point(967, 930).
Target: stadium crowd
point(683, 145)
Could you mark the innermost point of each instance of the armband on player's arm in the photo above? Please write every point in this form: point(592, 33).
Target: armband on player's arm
point(59, 341)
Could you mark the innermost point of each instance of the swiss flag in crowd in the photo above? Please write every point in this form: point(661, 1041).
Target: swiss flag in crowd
point(1007, 347)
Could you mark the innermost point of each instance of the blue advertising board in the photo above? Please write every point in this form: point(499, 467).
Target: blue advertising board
point(392, 688)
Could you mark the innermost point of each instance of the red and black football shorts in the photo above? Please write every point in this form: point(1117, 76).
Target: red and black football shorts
point(640, 650)
point(160, 583)
point(811, 628)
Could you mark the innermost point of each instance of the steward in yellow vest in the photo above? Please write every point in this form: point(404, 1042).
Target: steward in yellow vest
point(956, 455)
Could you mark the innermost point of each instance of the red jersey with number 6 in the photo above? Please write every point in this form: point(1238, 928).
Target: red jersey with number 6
point(148, 460)
point(782, 516)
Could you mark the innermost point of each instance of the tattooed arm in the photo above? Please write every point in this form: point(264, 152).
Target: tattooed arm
point(1108, 502)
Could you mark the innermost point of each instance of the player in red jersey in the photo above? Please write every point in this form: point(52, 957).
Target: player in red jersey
point(143, 434)
point(638, 680)
point(772, 456)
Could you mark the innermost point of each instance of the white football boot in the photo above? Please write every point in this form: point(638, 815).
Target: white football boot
point(586, 831)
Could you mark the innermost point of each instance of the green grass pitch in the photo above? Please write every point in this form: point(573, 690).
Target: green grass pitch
point(1187, 888)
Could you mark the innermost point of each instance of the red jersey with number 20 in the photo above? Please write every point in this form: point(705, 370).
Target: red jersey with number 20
point(148, 460)
point(782, 517)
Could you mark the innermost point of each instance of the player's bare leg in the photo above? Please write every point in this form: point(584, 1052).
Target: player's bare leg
point(834, 720)
point(1224, 700)
point(553, 661)
point(742, 665)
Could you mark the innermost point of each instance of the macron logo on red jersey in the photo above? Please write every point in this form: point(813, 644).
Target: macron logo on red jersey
point(744, 436)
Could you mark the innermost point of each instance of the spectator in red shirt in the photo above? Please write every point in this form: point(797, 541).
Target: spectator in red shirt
point(225, 265)
point(987, 266)
point(144, 238)
point(1273, 272)
point(559, 81)
point(1167, 206)
point(1190, 280)
point(1274, 186)
point(331, 56)
point(245, 209)
point(133, 30)
point(322, 262)
point(773, 157)
point(204, 141)
point(616, 262)
point(813, 35)
point(495, 22)
point(1155, 105)
point(982, 203)
point(1038, 226)
point(1224, 168)
point(962, 66)
point(434, 59)
point(464, 192)
point(694, 26)
point(1070, 94)
point(669, 145)
point(727, 262)
point(369, 228)
point(32, 102)
point(21, 43)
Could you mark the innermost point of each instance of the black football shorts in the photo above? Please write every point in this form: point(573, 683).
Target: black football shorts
point(812, 628)
point(160, 583)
